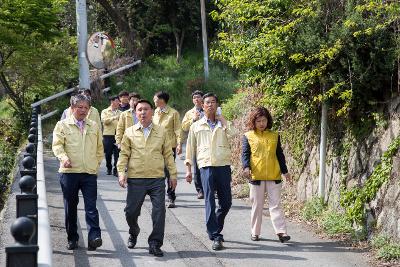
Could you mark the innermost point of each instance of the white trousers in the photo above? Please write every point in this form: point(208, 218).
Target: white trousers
point(257, 198)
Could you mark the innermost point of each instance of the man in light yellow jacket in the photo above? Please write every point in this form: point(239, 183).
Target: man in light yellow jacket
point(168, 118)
point(146, 151)
point(191, 116)
point(93, 113)
point(77, 143)
point(209, 142)
point(109, 118)
point(127, 118)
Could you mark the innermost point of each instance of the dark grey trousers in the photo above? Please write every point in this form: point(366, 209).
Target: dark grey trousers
point(138, 188)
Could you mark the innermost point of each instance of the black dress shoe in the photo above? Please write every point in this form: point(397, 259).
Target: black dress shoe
point(115, 172)
point(95, 243)
point(108, 172)
point(132, 241)
point(283, 237)
point(156, 251)
point(72, 245)
point(217, 245)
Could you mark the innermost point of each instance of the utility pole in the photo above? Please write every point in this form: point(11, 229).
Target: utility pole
point(81, 22)
point(204, 37)
point(322, 149)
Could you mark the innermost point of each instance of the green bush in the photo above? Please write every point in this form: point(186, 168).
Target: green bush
point(313, 209)
point(7, 159)
point(233, 107)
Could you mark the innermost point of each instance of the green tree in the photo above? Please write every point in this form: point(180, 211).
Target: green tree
point(303, 52)
point(34, 53)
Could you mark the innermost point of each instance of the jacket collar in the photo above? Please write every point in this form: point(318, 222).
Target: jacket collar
point(71, 120)
point(166, 109)
point(139, 126)
point(204, 120)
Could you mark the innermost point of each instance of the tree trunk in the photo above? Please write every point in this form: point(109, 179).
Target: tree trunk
point(179, 43)
point(128, 34)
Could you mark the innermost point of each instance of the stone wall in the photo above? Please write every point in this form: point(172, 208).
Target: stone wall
point(362, 160)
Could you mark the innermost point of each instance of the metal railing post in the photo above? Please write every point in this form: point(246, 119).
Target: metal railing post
point(22, 253)
point(27, 202)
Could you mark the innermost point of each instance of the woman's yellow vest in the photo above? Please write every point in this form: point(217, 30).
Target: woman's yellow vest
point(264, 163)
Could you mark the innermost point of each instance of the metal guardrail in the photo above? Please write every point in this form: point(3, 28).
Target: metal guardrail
point(111, 73)
point(48, 115)
point(47, 99)
point(31, 229)
point(104, 76)
point(44, 241)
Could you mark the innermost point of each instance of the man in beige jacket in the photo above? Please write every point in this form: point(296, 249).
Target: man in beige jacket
point(168, 118)
point(191, 116)
point(127, 118)
point(146, 150)
point(93, 113)
point(209, 142)
point(77, 143)
point(109, 118)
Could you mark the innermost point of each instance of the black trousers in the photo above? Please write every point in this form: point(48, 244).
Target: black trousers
point(71, 183)
point(170, 191)
point(110, 149)
point(138, 188)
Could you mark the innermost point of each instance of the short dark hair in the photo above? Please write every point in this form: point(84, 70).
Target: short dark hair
point(257, 113)
point(113, 97)
point(135, 95)
point(162, 95)
point(123, 93)
point(144, 101)
point(197, 92)
point(210, 95)
point(84, 91)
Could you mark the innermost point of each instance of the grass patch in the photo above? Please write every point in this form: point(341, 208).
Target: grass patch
point(330, 221)
point(180, 80)
point(385, 248)
point(313, 209)
point(335, 223)
point(5, 109)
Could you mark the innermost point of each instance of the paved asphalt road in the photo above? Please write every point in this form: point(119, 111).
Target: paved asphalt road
point(186, 242)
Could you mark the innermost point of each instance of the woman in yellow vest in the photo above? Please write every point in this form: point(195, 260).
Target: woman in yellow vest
point(264, 164)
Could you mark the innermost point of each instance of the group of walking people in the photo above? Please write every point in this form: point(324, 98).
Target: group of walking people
point(144, 141)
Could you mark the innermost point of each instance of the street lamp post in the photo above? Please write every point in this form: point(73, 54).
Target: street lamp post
point(81, 22)
point(204, 37)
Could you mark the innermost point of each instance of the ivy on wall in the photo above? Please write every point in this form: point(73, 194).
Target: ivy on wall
point(354, 199)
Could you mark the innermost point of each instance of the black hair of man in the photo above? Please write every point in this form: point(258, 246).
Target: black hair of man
point(210, 95)
point(85, 91)
point(197, 92)
point(113, 97)
point(144, 101)
point(135, 95)
point(123, 93)
point(162, 95)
